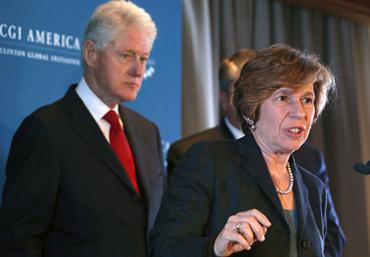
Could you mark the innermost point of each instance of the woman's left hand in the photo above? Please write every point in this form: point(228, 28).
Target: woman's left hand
point(241, 231)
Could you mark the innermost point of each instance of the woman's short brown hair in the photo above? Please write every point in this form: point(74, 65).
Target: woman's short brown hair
point(275, 67)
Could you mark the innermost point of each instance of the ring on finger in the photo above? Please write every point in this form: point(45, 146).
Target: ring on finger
point(238, 227)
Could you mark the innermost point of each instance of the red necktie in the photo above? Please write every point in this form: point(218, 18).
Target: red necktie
point(121, 146)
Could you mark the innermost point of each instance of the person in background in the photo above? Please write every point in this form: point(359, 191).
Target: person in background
point(248, 196)
point(84, 175)
point(229, 127)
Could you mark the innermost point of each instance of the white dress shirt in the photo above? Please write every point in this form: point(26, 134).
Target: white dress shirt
point(237, 133)
point(96, 107)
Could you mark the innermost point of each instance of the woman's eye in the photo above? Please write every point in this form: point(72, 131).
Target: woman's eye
point(308, 100)
point(282, 98)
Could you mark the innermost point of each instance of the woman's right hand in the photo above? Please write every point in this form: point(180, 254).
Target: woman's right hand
point(241, 231)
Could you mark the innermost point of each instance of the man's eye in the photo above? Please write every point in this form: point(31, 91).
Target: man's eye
point(143, 59)
point(126, 55)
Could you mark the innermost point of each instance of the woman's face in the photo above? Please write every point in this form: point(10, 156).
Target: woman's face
point(285, 119)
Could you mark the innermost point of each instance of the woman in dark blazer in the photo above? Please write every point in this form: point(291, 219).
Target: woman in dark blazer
point(248, 197)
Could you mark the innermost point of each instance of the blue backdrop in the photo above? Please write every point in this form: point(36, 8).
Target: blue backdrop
point(40, 58)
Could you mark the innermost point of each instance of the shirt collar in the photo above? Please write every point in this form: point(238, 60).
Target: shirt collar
point(94, 104)
point(237, 133)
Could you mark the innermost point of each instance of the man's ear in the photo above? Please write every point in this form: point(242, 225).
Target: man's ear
point(90, 52)
point(223, 98)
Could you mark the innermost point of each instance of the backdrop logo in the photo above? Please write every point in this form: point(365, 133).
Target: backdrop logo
point(37, 44)
point(150, 69)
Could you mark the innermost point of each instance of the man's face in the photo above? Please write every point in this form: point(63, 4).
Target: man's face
point(117, 70)
point(226, 102)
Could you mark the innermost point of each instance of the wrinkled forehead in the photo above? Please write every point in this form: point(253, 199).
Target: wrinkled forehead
point(133, 39)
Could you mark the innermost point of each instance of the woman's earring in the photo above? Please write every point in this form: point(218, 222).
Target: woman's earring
point(250, 123)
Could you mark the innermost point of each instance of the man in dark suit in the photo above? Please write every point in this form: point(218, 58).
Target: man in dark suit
point(71, 189)
point(229, 128)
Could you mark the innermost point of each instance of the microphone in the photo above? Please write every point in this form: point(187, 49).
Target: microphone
point(364, 169)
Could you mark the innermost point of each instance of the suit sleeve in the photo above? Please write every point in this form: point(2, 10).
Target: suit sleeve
point(30, 191)
point(185, 209)
point(335, 238)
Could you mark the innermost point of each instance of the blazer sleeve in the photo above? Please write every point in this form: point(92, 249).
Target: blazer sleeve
point(177, 151)
point(30, 191)
point(183, 216)
point(173, 156)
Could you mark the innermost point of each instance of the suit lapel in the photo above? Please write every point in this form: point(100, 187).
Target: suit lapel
point(255, 166)
point(137, 145)
point(148, 163)
point(86, 127)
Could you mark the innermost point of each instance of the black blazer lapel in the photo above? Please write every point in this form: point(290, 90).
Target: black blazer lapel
point(86, 127)
point(301, 199)
point(255, 166)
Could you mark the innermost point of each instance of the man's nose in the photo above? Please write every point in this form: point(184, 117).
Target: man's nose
point(137, 68)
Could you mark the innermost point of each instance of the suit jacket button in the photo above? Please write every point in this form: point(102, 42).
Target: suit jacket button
point(135, 198)
point(306, 244)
